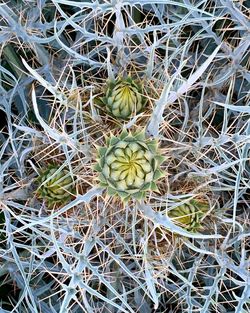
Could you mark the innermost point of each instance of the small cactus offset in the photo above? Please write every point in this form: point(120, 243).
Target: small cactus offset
point(55, 188)
point(188, 215)
point(129, 165)
point(123, 98)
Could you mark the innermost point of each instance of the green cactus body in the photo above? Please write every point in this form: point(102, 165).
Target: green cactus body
point(189, 215)
point(129, 165)
point(123, 98)
point(55, 188)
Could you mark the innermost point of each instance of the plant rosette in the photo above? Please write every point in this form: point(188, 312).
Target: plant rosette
point(189, 215)
point(123, 98)
point(129, 165)
point(55, 187)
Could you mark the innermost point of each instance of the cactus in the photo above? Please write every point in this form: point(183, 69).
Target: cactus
point(188, 215)
point(123, 98)
point(55, 188)
point(129, 165)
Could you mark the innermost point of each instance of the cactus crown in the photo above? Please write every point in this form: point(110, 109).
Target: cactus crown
point(55, 188)
point(123, 98)
point(129, 165)
point(188, 215)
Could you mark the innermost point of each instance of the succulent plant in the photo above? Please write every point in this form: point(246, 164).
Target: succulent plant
point(55, 188)
point(123, 98)
point(129, 165)
point(188, 215)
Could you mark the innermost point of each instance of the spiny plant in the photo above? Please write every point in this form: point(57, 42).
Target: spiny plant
point(129, 165)
point(94, 254)
point(56, 185)
point(189, 214)
point(123, 98)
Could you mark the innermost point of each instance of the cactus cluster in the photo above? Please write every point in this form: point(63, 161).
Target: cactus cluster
point(188, 215)
point(55, 188)
point(123, 98)
point(129, 165)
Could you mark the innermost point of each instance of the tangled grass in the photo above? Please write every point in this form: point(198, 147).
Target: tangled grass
point(96, 253)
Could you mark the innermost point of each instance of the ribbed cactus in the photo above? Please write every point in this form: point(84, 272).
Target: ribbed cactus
point(55, 188)
point(129, 165)
point(189, 215)
point(123, 98)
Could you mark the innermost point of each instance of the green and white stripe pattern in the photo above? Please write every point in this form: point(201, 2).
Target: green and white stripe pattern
point(129, 165)
point(189, 215)
point(55, 189)
point(123, 98)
